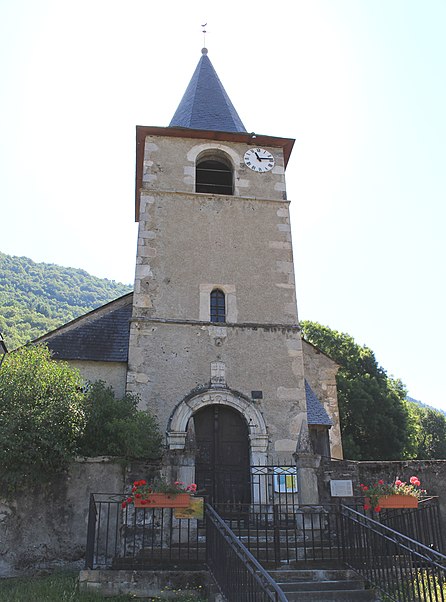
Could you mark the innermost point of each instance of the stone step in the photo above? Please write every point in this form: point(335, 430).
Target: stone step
point(285, 575)
point(307, 586)
point(365, 595)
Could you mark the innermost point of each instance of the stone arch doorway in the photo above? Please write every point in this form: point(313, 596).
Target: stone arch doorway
point(222, 465)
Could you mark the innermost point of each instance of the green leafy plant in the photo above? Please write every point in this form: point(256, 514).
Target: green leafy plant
point(142, 490)
point(398, 487)
point(41, 417)
point(116, 427)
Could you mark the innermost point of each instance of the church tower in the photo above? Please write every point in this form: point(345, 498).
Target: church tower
point(215, 350)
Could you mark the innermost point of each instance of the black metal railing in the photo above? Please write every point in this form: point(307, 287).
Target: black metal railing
point(405, 570)
point(422, 524)
point(140, 538)
point(237, 572)
point(285, 534)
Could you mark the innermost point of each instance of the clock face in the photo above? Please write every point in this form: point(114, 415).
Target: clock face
point(259, 159)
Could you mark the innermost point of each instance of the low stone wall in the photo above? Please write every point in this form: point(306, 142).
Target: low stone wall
point(432, 474)
point(46, 527)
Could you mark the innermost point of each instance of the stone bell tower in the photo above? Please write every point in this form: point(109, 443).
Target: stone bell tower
point(214, 324)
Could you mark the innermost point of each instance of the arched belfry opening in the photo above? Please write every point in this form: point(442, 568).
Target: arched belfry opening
point(214, 174)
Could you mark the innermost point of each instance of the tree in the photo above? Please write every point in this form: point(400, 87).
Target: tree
point(375, 422)
point(41, 416)
point(116, 427)
point(430, 441)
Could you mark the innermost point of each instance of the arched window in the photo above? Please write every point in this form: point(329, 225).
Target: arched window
point(218, 306)
point(213, 175)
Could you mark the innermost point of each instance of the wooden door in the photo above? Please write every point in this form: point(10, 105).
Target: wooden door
point(222, 458)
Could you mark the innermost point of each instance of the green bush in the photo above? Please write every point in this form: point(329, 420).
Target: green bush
point(116, 427)
point(41, 416)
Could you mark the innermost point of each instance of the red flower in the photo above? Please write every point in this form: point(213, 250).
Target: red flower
point(364, 487)
point(129, 500)
point(377, 508)
point(138, 495)
point(124, 505)
point(380, 482)
point(367, 506)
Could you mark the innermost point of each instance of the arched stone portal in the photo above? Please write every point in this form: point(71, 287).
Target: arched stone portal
point(257, 433)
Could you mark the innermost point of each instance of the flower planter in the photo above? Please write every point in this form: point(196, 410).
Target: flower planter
point(396, 501)
point(163, 500)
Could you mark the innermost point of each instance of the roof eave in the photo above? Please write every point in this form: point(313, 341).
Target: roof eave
point(142, 131)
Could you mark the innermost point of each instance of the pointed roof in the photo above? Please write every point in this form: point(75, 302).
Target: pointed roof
point(316, 412)
point(205, 104)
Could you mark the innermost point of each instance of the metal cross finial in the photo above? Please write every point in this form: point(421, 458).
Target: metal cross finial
point(204, 34)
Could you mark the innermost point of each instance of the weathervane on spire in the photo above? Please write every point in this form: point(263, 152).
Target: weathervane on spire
point(204, 34)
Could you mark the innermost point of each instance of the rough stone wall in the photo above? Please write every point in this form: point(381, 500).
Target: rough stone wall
point(169, 164)
point(190, 243)
point(320, 372)
point(47, 527)
point(432, 474)
point(176, 360)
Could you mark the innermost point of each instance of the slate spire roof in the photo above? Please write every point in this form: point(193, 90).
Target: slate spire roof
point(205, 104)
point(316, 412)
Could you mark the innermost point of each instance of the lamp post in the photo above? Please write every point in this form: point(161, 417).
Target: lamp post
point(3, 349)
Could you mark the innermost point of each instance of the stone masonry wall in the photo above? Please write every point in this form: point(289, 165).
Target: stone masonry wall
point(46, 527)
point(432, 474)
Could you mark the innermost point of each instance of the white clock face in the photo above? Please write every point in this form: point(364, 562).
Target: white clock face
point(259, 159)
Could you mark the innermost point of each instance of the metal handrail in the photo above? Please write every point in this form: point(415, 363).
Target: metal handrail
point(402, 568)
point(231, 548)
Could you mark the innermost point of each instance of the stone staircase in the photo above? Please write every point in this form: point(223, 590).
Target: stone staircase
point(307, 572)
point(303, 572)
point(321, 583)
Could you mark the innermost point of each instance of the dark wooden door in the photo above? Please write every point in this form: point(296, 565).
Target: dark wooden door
point(222, 458)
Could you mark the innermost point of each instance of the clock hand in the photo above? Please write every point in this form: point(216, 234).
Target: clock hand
point(259, 158)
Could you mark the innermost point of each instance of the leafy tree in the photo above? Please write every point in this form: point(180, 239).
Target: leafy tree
point(375, 420)
point(116, 427)
point(41, 416)
point(430, 440)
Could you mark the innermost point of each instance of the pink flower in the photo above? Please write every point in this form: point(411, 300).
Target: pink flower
point(380, 482)
point(415, 481)
point(398, 483)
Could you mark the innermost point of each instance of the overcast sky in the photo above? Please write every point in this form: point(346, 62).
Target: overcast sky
point(361, 86)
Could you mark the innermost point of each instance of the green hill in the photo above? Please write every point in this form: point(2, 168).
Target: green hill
point(38, 297)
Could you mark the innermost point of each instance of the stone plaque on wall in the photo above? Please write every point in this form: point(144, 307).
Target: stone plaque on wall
point(341, 488)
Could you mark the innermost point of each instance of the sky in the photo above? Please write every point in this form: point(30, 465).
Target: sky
point(360, 85)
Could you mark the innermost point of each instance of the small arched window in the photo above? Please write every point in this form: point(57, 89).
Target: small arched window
point(218, 306)
point(213, 175)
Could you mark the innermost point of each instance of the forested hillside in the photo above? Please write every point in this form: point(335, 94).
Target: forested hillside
point(38, 297)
